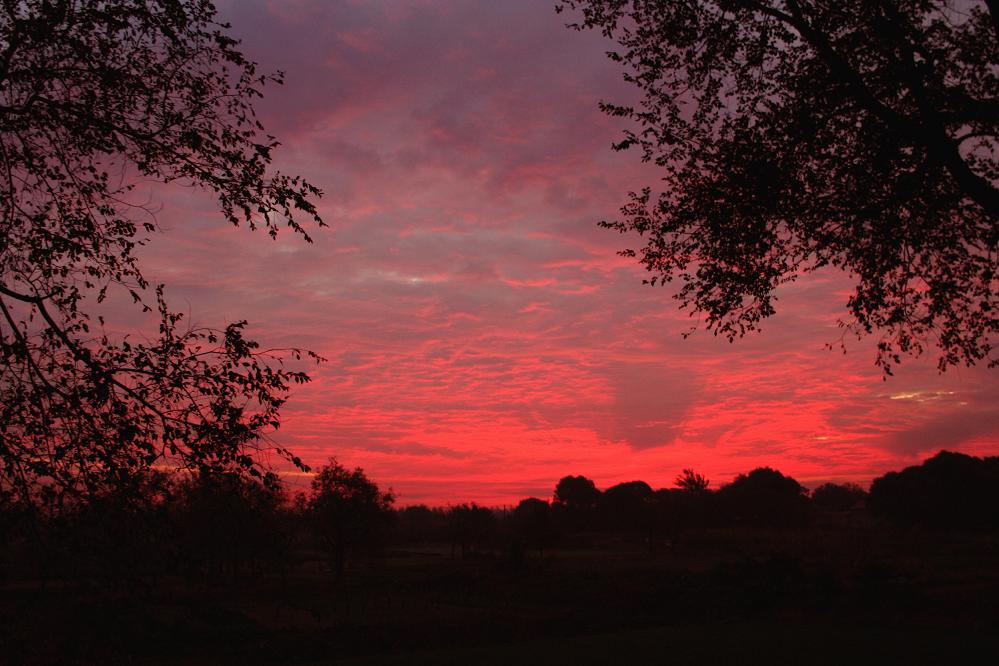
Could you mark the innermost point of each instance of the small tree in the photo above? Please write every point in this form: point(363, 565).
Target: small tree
point(691, 482)
point(625, 507)
point(577, 493)
point(532, 523)
point(575, 503)
point(348, 511)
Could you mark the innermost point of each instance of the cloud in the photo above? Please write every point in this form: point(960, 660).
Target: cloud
point(651, 402)
point(946, 419)
point(483, 337)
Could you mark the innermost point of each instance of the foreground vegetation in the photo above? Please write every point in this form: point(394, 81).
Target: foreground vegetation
point(203, 569)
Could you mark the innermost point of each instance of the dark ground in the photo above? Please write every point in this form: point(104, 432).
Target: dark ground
point(819, 596)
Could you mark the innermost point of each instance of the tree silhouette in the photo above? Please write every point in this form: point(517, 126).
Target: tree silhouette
point(532, 523)
point(948, 491)
point(121, 535)
point(94, 98)
point(575, 502)
point(798, 134)
point(765, 498)
point(576, 493)
point(625, 506)
point(420, 524)
point(838, 496)
point(690, 505)
point(348, 510)
point(692, 482)
point(472, 526)
point(228, 524)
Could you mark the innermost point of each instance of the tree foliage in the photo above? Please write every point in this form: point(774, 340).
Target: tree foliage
point(226, 522)
point(348, 510)
point(576, 493)
point(96, 97)
point(625, 506)
point(532, 522)
point(839, 496)
point(798, 134)
point(948, 491)
point(765, 497)
point(471, 527)
point(691, 482)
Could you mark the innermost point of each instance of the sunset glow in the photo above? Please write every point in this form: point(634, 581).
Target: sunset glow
point(483, 337)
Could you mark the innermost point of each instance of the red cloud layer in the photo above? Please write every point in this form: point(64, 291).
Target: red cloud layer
point(484, 339)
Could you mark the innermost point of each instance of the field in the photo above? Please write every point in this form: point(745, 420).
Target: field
point(817, 596)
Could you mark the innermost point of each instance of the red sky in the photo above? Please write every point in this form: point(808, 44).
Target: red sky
point(483, 337)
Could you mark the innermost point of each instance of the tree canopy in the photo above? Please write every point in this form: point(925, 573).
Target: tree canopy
point(96, 97)
point(347, 510)
point(839, 496)
point(691, 482)
point(765, 497)
point(577, 493)
point(798, 134)
point(949, 491)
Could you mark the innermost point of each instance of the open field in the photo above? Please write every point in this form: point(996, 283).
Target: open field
point(723, 596)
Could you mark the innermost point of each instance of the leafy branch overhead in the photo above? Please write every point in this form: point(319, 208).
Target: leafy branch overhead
point(95, 97)
point(798, 134)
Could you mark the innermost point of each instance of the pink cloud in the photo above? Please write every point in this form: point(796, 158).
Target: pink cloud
point(483, 337)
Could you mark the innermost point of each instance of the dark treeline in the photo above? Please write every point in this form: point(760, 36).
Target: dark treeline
point(210, 527)
point(220, 568)
point(950, 491)
point(215, 528)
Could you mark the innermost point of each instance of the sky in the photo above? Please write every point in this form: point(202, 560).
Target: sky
point(483, 338)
